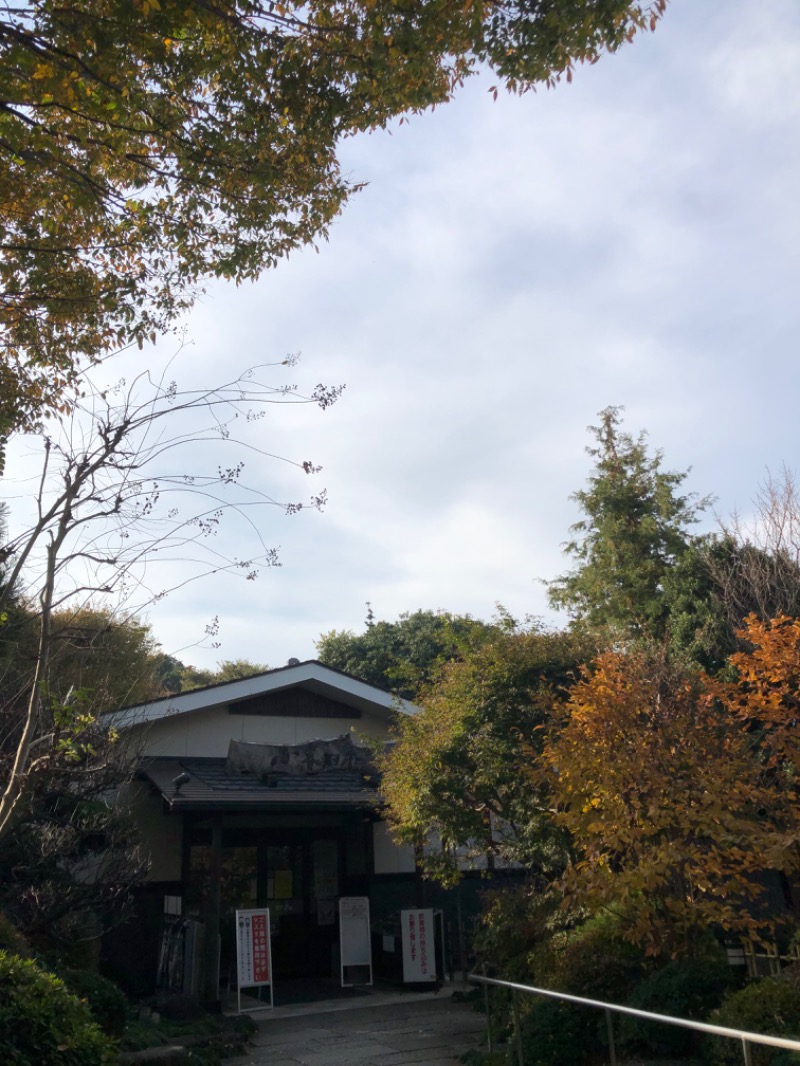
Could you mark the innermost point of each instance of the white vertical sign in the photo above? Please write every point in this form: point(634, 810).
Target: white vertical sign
point(253, 951)
point(419, 954)
point(355, 944)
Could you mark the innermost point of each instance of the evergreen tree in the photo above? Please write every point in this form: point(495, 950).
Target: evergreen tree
point(634, 530)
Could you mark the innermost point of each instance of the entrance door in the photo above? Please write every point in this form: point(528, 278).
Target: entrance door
point(297, 874)
point(302, 890)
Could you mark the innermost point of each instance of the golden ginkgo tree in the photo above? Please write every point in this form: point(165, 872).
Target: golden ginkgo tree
point(679, 791)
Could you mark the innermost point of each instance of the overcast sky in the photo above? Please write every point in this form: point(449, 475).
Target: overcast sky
point(513, 267)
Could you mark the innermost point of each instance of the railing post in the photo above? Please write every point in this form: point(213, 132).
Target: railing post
point(612, 1049)
point(748, 1058)
point(517, 1028)
point(486, 1007)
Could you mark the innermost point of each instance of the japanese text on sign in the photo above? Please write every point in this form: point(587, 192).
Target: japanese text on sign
point(419, 959)
point(253, 948)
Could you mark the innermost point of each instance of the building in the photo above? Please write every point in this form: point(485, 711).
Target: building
point(261, 792)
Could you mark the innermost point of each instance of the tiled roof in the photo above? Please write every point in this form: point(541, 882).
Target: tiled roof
point(211, 785)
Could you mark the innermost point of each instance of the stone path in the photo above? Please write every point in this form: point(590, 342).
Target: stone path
point(392, 1031)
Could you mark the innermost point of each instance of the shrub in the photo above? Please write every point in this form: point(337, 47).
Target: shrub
point(770, 1006)
point(105, 1000)
point(685, 988)
point(11, 940)
point(593, 961)
point(42, 1024)
point(558, 1034)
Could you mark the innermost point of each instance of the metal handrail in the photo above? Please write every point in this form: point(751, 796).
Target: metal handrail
point(702, 1027)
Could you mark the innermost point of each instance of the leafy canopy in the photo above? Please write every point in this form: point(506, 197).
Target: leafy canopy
point(458, 770)
point(404, 655)
point(147, 145)
point(657, 784)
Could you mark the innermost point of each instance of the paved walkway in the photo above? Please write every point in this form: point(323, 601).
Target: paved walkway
point(393, 1030)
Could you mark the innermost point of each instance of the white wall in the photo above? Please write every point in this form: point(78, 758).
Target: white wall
point(160, 834)
point(389, 857)
point(208, 733)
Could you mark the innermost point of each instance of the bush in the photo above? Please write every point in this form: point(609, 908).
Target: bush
point(770, 1006)
point(105, 1000)
point(42, 1024)
point(685, 988)
point(593, 960)
point(11, 940)
point(559, 1034)
point(590, 960)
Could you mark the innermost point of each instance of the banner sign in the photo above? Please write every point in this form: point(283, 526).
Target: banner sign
point(419, 955)
point(253, 950)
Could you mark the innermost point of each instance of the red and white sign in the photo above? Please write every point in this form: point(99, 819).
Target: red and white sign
point(419, 955)
point(253, 948)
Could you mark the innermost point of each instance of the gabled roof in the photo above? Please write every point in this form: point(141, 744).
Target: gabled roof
point(310, 675)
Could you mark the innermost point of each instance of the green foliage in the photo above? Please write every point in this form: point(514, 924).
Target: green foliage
point(556, 1033)
point(713, 588)
point(108, 657)
point(590, 960)
point(459, 771)
point(227, 670)
point(635, 529)
point(42, 1024)
point(517, 926)
point(594, 960)
point(403, 656)
point(684, 988)
point(222, 1035)
point(149, 145)
point(12, 940)
point(106, 1001)
point(68, 864)
point(770, 1006)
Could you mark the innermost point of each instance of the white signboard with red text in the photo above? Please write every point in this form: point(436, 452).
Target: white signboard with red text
point(419, 954)
point(253, 952)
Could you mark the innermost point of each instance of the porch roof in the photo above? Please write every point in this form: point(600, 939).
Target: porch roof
point(206, 784)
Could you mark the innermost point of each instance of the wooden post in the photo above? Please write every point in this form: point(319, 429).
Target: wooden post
point(212, 918)
point(517, 1027)
point(612, 1050)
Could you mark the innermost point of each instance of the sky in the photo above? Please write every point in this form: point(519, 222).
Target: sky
point(512, 267)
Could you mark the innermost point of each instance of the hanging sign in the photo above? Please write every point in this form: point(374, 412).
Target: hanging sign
point(419, 955)
point(253, 951)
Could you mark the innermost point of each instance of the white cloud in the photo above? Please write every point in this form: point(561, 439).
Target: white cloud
point(511, 269)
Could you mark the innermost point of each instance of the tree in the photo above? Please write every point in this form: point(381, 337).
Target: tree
point(71, 854)
point(635, 529)
point(718, 582)
point(110, 657)
point(108, 514)
point(723, 578)
point(457, 775)
point(227, 670)
point(147, 146)
point(405, 655)
point(657, 784)
point(765, 700)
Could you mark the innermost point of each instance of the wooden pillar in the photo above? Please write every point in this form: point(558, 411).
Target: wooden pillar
point(212, 918)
